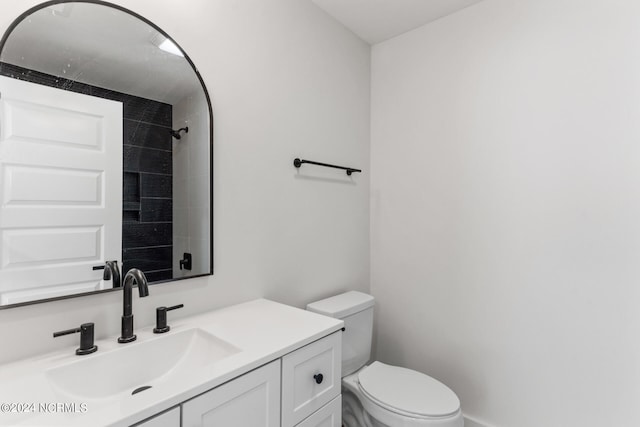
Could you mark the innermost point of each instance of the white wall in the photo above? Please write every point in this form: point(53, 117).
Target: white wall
point(506, 209)
point(285, 81)
point(191, 186)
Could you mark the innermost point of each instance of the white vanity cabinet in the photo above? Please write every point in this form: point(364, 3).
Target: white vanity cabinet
point(311, 378)
point(330, 415)
point(303, 386)
point(251, 400)
point(170, 418)
point(220, 368)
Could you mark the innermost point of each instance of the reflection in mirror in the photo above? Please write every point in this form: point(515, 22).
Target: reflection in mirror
point(105, 153)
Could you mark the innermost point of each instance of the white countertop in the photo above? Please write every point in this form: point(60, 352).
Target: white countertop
point(263, 331)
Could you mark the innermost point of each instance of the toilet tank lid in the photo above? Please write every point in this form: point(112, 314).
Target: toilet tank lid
point(343, 305)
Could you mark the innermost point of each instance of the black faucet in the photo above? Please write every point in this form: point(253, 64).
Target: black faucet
point(133, 275)
point(112, 272)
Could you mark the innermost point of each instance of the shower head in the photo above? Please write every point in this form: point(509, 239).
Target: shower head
point(176, 133)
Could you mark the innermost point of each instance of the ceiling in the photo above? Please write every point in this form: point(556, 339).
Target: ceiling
point(377, 20)
point(79, 42)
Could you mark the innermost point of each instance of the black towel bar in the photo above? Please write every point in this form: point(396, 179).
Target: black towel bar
point(299, 162)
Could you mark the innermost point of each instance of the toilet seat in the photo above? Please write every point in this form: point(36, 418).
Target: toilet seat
point(407, 392)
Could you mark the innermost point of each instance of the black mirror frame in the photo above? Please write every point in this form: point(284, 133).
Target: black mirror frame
point(43, 5)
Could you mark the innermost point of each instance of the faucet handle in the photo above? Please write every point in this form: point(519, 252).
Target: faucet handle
point(86, 338)
point(161, 319)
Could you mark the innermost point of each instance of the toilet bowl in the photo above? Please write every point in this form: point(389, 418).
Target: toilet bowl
point(410, 399)
point(377, 394)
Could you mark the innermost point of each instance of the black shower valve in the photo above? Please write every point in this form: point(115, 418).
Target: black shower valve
point(186, 261)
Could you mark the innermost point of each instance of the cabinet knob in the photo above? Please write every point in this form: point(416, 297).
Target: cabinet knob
point(318, 378)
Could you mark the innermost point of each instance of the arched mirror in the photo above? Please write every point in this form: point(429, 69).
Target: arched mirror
point(105, 153)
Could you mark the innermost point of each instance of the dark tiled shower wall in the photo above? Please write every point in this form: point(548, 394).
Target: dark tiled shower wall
point(147, 232)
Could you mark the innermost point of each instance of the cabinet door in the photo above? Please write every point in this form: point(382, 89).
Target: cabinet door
point(310, 378)
point(330, 415)
point(170, 418)
point(252, 400)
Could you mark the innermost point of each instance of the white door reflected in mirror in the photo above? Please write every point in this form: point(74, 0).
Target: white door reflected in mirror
point(60, 160)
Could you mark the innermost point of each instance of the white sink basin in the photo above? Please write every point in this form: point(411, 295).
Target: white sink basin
point(146, 363)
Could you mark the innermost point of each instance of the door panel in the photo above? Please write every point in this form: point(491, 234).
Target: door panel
point(60, 162)
point(48, 186)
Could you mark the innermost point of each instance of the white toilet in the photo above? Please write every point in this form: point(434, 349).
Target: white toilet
point(379, 395)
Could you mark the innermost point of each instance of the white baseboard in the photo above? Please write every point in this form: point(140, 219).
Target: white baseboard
point(470, 422)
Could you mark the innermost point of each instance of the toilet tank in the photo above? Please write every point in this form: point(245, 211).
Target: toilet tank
point(356, 310)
